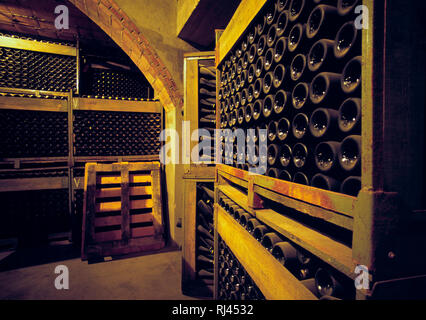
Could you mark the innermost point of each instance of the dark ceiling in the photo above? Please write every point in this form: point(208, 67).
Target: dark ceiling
point(36, 18)
point(209, 15)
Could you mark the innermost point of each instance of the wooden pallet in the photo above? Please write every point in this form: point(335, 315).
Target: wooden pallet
point(122, 211)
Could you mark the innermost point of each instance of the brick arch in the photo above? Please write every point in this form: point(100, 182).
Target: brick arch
point(115, 22)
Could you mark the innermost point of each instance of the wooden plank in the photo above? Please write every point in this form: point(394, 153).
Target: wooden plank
point(242, 18)
point(103, 207)
point(116, 220)
point(117, 179)
point(332, 252)
point(275, 281)
point(89, 208)
point(306, 208)
point(116, 192)
point(38, 46)
point(156, 202)
point(108, 236)
point(133, 166)
point(236, 195)
point(155, 157)
point(190, 110)
point(189, 229)
point(116, 105)
point(27, 184)
point(33, 104)
point(141, 204)
point(200, 55)
point(199, 172)
point(143, 232)
point(329, 200)
point(115, 248)
point(125, 206)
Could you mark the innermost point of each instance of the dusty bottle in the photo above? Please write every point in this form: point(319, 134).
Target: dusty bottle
point(349, 119)
point(322, 181)
point(326, 156)
point(350, 153)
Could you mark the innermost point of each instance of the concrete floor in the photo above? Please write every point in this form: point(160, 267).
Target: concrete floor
point(150, 277)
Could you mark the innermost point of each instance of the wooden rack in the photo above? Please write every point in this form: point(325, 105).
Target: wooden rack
point(373, 217)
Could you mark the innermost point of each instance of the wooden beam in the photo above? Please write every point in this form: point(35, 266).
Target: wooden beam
point(116, 105)
point(38, 46)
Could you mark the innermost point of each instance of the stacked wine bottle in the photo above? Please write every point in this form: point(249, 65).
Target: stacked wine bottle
point(37, 71)
point(321, 279)
point(42, 213)
point(296, 72)
point(115, 84)
point(234, 281)
point(205, 234)
point(207, 106)
point(28, 134)
point(103, 133)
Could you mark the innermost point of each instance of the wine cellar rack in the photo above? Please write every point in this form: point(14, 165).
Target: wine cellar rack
point(294, 69)
point(200, 113)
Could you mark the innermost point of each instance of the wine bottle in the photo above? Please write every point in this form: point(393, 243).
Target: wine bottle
point(282, 23)
point(351, 186)
point(244, 218)
point(280, 49)
point(296, 38)
point(270, 239)
point(285, 253)
point(350, 153)
point(279, 75)
point(268, 106)
point(259, 231)
point(300, 126)
point(252, 224)
point(257, 109)
point(321, 56)
point(272, 131)
point(268, 82)
point(327, 284)
point(345, 7)
point(280, 101)
point(298, 10)
point(348, 40)
point(349, 119)
point(281, 5)
point(325, 88)
point(351, 77)
point(323, 123)
point(300, 95)
point(298, 68)
point(273, 173)
point(274, 152)
point(258, 88)
point(325, 182)
point(286, 156)
point(301, 156)
point(261, 45)
point(322, 21)
point(259, 67)
point(284, 175)
point(301, 178)
point(326, 156)
point(271, 36)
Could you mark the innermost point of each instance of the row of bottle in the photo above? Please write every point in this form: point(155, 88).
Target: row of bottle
point(33, 134)
point(207, 103)
point(321, 123)
point(37, 70)
point(323, 281)
point(116, 133)
point(205, 234)
point(234, 281)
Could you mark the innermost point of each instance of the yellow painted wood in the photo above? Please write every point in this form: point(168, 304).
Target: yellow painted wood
point(275, 281)
point(242, 18)
point(236, 195)
point(33, 104)
point(116, 105)
point(38, 46)
point(334, 253)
